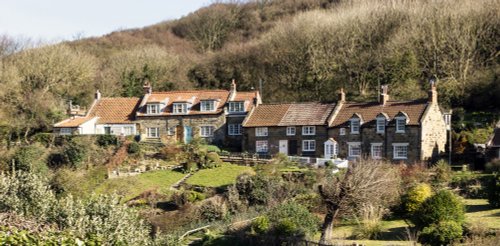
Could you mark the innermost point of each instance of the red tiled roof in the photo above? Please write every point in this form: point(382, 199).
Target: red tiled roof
point(194, 97)
point(369, 111)
point(248, 97)
point(72, 122)
point(114, 110)
point(291, 114)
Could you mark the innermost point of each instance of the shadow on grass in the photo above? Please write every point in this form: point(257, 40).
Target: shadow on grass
point(478, 208)
point(394, 234)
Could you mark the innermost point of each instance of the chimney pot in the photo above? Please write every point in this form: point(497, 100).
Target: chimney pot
point(384, 95)
point(97, 95)
point(147, 87)
point(433, 96)
point(341, 95)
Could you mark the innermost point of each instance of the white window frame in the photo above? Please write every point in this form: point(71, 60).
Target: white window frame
point(234, 129)
point(309, 130)
point(395, 152)
point(171, 130)
point(342, 131)
point(261, 132)
point(373, 151)
point(358, 122)
point(351, 150)
point(66, 131)
point(236, 107)
point(400, 124)
point(153, 132)
point(291, 130)
point(125, 128)
point(333, 148)
point(182, 106)
point(207, 131)
point(207, 105)
point(153, 108)
point(381, 122)
point(261, 146)
point(308, 145)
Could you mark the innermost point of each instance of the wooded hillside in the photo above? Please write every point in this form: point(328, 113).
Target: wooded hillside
point(302, 50)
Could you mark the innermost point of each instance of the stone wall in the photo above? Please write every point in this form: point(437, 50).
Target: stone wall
point(275, 134)
point(369, 135)
point(433, 132)
point(178, 122)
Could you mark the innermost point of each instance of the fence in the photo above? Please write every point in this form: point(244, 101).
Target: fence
point(318, 162)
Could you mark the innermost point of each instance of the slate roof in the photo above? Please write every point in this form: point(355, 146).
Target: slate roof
point(194, 97)
point(289, 114)
point(495, 139)
point(116, 110)
point(369, 111)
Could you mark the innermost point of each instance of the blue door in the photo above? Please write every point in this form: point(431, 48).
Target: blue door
point(188, 134)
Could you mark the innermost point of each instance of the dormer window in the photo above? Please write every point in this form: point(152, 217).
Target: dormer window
point(207, 105)
point(355, 124)
point(400, 125)
point(153, 108)
point(381, 122)
point(180, 108)
point(236, 107)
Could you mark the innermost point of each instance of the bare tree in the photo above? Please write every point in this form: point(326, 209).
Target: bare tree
point(366, 183)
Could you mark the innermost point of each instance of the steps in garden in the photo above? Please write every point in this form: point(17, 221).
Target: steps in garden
point(178, 183)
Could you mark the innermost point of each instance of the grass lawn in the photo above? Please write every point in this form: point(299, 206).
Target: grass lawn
point(132, 186)
point(479, 211)
point(220, 176)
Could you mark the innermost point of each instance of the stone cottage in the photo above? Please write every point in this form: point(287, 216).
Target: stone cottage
point(214, 115)
point(400, 131)
point(289, 128)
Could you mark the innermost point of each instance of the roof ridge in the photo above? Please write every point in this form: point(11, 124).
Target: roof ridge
point(188, 91)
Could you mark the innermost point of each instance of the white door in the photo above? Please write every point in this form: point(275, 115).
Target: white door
point(330, 149)
point(284, 147)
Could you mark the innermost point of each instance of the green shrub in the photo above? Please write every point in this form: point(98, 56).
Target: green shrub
point(212, 148)
point(493, 166)
point(212, 210)
point(293, 219)
point(415, 197)
point(442, 173)
point(213, 160)
point(261, 224)
point(185, 197)
point(493, 190)
point(43, 138)
point(442, 206)
point(442, 233)
point(76, 151)
point(106, 140)
point(134, 148)
point(31, 158)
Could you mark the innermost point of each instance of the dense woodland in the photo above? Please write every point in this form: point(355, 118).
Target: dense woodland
point(301, 50)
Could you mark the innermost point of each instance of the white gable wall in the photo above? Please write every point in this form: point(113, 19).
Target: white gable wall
point(87, 127)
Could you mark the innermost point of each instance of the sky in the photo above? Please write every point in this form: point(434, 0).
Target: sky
point(57, 20)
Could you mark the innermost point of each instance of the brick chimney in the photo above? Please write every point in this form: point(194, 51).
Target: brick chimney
point(384, 95)
point(341, 95)
point(147, 87)
point(97, 95)
point(433, 95)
